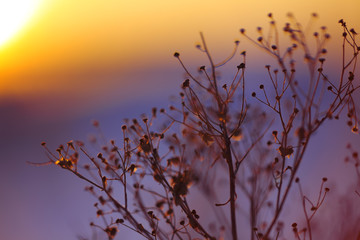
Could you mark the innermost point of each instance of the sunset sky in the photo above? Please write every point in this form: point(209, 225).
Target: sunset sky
point(67, 62)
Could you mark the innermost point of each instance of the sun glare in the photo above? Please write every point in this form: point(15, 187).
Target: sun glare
point(13, 16)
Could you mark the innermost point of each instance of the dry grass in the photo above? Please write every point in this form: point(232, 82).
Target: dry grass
point(217, 143)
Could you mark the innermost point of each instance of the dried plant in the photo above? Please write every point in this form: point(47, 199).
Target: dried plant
point(217, 141)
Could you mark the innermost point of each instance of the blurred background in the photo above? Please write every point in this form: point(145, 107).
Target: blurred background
point(64, 63)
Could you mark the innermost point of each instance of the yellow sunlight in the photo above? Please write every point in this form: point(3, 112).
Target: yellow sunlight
point(14, 15)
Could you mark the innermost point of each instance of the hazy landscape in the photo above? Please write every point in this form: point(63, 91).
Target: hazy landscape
point(74, 62)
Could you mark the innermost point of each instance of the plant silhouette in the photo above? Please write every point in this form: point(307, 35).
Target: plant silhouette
point(188, 171)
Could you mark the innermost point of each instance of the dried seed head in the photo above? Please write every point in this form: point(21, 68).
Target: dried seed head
point(287, 27)
point(154, 111)
point(351, 76)
point(242, 65)
point(355, 129)
point(119, 220)
point(95, 123)
point(300, 132)
point(237, 135)
point(102, 200)
point(99, 213)
point(286, 151)
point(186, 83)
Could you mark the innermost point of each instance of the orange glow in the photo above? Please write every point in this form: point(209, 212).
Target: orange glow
point(71, 43)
